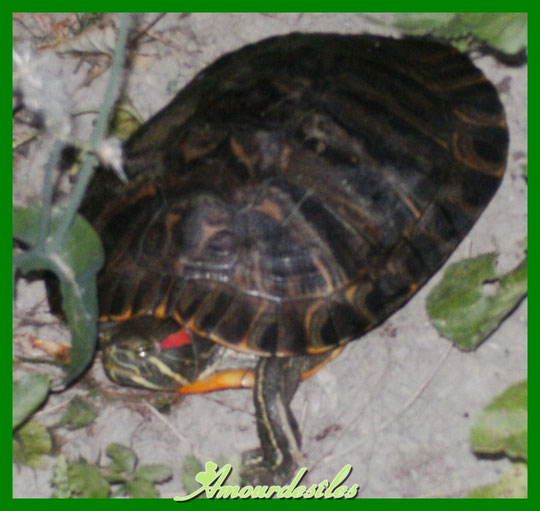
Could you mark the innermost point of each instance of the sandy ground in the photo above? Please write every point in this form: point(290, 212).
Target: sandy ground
point(398, 405)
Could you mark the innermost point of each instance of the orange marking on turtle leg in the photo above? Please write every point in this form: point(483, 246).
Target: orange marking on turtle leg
point(233, 379)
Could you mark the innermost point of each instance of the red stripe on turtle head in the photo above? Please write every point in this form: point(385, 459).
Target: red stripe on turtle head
point(177, 339)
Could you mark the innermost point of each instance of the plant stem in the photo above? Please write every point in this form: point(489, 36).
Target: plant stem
point(87, 167)
point(45, 217)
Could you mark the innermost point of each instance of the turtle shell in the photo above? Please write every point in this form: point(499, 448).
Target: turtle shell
point(299, 190)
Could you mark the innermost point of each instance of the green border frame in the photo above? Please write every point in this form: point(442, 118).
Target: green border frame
point(274, 6)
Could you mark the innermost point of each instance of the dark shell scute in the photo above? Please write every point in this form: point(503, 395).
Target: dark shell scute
point(478, 187)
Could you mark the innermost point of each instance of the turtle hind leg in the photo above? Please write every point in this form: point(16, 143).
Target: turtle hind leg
point(275, 461)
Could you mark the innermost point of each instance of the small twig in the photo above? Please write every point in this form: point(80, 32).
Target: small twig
point(146, 29)
point(26, 138)
point(166, 422)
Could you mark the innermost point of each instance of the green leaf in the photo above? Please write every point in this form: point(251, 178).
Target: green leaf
point(505, 32)
point(123, 457)
point(512, 486)
point(472, 300)
point(502, 425)
point(140, 489)
point(28, 394)
point(114, 474)
point(76, 264)
point(60, 479)
point(190, 468)
point(86, 481)
point(421, 23)
point(79, 413)
point(31, 441)
point(154, 472)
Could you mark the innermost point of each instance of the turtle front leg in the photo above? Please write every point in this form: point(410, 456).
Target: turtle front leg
point(276, 381)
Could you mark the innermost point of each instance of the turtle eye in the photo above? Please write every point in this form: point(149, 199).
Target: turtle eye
point(144, 349)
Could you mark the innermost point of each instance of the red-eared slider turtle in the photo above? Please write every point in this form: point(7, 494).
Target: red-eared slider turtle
point(290, 198)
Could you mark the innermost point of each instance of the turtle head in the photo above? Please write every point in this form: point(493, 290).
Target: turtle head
point(150, 353)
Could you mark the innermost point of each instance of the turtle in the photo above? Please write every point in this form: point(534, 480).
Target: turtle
point(291, 197)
